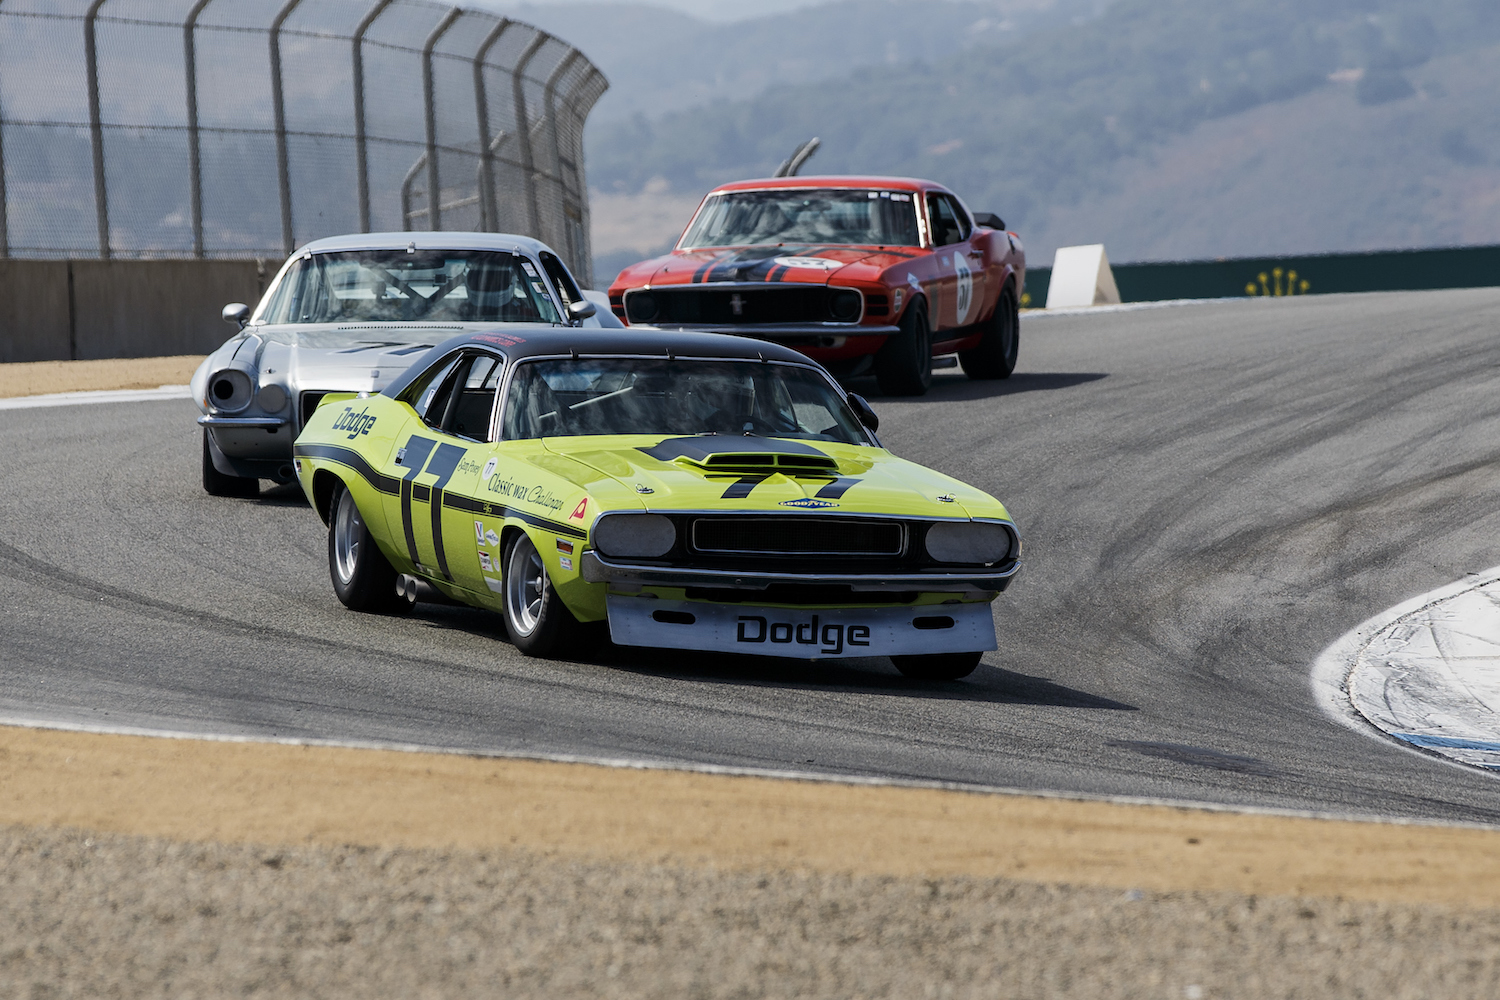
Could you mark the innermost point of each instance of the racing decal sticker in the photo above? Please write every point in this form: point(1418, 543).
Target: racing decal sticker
point(807, 503)
point(539, 495)
point(486, 564)
point(578, 512)
point(489, 468)
point(479, 532)
point(965, 287)
point(566, 563)
point(813, 263)
point(491, 537)
point(355, 423)
point(896, 300)
point(500, 339)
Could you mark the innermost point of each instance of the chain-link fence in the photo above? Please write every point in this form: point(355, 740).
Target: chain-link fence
point(243, 128)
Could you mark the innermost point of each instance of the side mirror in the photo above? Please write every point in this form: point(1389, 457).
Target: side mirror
point(863, 412)
point(237, 313)
point(581, 310)
point(989, 220)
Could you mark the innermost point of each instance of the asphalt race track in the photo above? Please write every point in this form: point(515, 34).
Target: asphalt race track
point(1209, 495)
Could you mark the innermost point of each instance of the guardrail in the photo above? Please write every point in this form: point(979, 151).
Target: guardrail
point(1309, 274)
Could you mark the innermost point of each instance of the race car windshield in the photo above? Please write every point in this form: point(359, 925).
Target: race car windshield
point(565, 398)
point(393, 286)
point(805, 215)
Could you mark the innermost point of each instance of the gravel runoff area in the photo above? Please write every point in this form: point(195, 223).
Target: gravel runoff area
point(263, 870)
point(36, 378)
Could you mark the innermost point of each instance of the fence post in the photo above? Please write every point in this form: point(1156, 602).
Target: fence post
point(549, 109)
point(96, 128)
point(575, 150)
point(434, 189)
point(362, 165)
point(488, 218)
point(283, 166)
point(523, 132)
point(4, 218)
point(195, 162)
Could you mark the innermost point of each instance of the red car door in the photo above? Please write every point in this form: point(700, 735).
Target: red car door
point(960, 266)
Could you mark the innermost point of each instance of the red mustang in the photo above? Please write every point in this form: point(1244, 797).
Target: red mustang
point(858, 273)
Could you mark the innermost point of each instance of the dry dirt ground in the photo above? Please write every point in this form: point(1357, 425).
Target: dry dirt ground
point(148, 867)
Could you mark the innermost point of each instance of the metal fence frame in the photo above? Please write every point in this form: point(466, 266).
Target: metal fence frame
point(564, 144)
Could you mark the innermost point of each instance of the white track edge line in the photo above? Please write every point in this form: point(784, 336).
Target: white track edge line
point(626, 763)
point(95, 396)
point(1332, 669)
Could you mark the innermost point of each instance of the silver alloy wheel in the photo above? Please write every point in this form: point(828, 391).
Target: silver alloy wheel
point(525, 585)
point(347, 529)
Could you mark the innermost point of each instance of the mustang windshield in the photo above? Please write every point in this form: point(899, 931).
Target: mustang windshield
point(393, 286)
point(635, 396)
point(805, 215)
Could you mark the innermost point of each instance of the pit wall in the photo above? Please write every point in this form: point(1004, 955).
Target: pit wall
point(68, 310)
point(1311, 274)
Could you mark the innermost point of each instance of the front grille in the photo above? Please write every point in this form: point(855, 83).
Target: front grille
point(306, 404)
point(876, 305)
point(798, 536)
point(708, 303)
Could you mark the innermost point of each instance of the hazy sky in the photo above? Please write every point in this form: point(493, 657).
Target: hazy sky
point(708, 10)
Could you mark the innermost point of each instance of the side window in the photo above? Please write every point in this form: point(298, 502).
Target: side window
point(949, 222)
point(562, 280)
point(426, 395)
point(473, 399)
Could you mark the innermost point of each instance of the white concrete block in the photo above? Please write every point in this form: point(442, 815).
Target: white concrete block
point(1081, 276)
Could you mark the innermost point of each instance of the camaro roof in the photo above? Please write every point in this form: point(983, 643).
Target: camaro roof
point(833, 181)
point(425, 241)
point(516, 341)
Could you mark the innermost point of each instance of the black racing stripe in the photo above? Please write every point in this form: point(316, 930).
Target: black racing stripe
point(777, 273)
point(354, 460)
point(698, 274)
point(836, 489)
point(420, 493)
point(740, 489)
point(444, 461)
point(415, 456)
point(490, 509)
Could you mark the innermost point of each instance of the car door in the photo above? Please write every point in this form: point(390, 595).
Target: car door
point(440, 463)
point(960, 265)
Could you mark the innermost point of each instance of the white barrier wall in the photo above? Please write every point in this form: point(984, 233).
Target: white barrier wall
point(1081, 276)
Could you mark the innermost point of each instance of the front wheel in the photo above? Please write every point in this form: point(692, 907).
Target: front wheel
point(903, 365)
point(937, 666)
point(995, 354)
point(217, 484)
point(538, 621)
point(363, 578)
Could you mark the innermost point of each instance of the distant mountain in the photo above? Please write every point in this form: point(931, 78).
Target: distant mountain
point(1379, 109)
point(660, 60)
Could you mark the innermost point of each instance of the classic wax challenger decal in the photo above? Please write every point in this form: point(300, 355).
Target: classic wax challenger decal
point(525, 492)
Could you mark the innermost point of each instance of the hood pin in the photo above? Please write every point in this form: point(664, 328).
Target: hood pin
point(945, 497)
point(643, 488)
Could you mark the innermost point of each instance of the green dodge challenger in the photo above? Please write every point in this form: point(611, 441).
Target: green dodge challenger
point(696, 491)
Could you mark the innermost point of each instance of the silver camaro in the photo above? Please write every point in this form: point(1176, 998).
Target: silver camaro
point(350, 314)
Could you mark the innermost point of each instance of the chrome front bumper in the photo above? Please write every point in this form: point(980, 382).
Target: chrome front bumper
point(597, 569)
point(775, 331)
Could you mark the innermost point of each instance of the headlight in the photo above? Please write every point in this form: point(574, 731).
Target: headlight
point(642, 536)
point(844, 304)
point(640, 307)
point(271, 398)
point(230, 389)
point(969, 542)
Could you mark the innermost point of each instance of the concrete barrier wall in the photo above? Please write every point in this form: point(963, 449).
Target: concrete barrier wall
point(57, 310)
point(1311, 274)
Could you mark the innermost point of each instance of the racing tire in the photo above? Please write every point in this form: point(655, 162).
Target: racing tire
point(363, 578)
point(217, 484)
point(536, 618)
point(995, 354)
point(903, 365)
point(937, 666)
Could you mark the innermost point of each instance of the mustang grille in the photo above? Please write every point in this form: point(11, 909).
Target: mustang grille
point(729, 304)
point(798, 536)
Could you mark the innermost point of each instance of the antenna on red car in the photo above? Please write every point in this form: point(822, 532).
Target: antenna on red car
point(800, 155)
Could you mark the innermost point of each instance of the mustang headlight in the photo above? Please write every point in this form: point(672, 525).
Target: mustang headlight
point(969, 542)
point(230, 389)
point(844, 304)
point(640, 536)
point(641, 307)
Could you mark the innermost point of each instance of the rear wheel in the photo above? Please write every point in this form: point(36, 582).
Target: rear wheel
point(217, 484)
point(363, 578)
point(538, 621)
point(995, 354)
point(903, 365)
point(937, 666)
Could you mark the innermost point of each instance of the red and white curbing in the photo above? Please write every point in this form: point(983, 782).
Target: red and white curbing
point(1426, 673)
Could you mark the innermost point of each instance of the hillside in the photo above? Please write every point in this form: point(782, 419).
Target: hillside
point(1057, 132)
